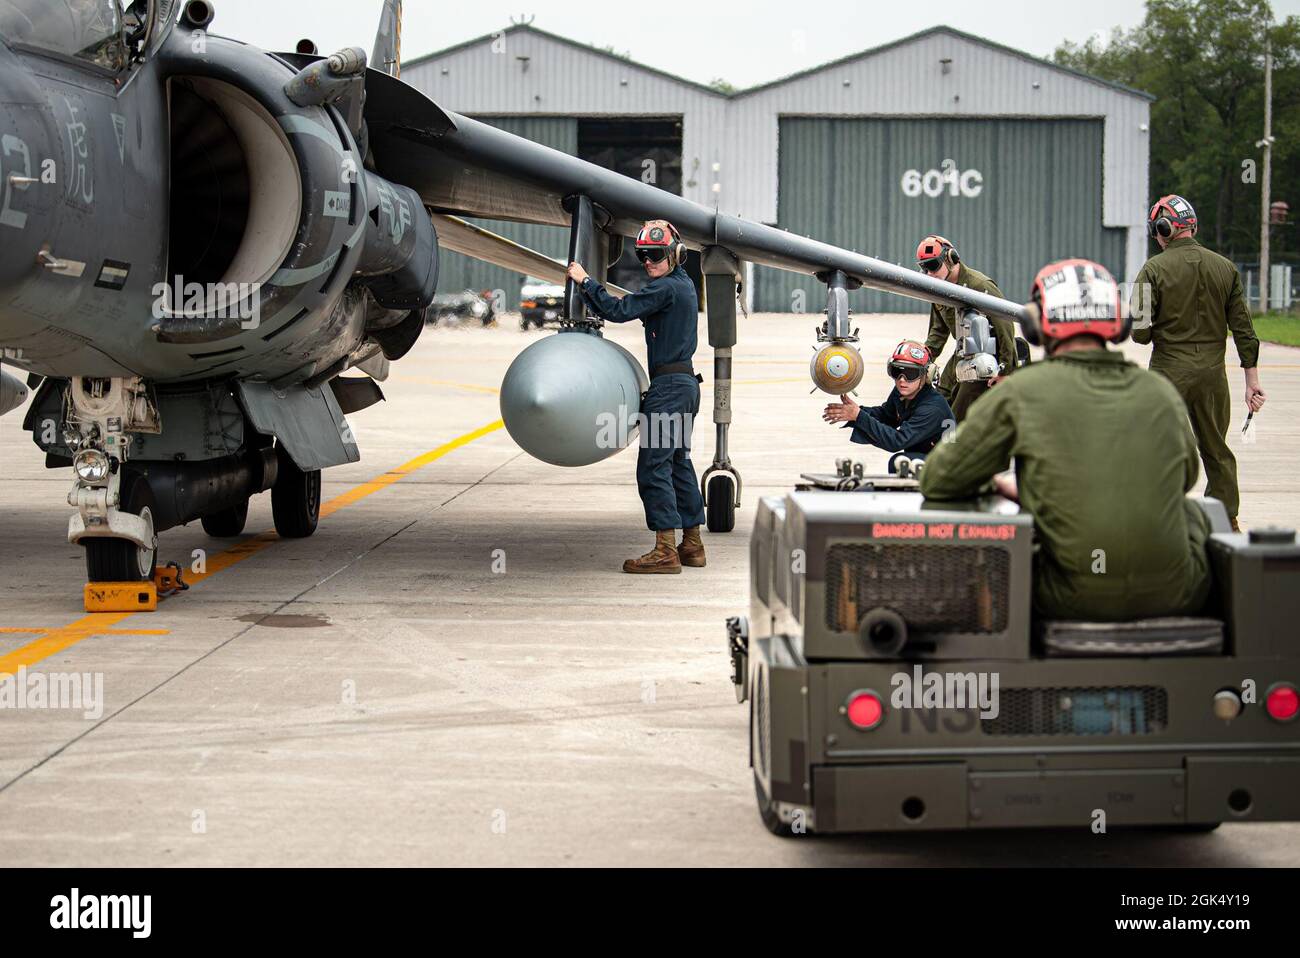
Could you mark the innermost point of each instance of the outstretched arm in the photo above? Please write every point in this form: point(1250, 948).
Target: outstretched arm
point(652, 299)
point(975, 452)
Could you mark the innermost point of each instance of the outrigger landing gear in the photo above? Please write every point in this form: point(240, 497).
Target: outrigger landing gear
point(720, 483)
point(295, 498)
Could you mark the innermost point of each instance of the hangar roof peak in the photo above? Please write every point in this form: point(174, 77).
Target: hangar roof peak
point(941, 29)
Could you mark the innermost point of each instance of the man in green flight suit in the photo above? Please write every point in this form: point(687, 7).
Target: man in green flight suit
point(937, 257)
point(1187, 299)
point(1104, 456)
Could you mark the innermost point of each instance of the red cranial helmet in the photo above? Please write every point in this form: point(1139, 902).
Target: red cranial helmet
point(659, 239)
point(1075, 296)
point(910, 360)
point(1169, 215)
point(933, 251)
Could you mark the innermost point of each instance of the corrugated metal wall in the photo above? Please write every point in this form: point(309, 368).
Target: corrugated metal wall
point(1033, 193)
point(935, 74)
point(523, 71)
point(458, 272)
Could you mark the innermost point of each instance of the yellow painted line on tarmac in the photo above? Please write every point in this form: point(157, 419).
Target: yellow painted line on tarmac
point(54, 641)
point(419, 462)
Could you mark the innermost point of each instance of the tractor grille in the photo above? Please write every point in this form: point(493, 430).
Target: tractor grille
point(934, 588)
point(1090, 710)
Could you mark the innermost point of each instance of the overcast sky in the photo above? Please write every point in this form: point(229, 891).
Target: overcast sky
point(743, 43)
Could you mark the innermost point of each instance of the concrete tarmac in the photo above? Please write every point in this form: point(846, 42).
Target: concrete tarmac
point(454, 670)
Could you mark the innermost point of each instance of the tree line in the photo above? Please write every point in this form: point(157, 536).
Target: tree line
point(1203, 60)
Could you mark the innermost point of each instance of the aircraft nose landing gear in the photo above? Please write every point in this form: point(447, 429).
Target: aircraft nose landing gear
point(115, 506)
point(126, 555)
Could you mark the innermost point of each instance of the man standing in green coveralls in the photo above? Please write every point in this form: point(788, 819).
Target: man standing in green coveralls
point(1189, 299)
point(936, 257)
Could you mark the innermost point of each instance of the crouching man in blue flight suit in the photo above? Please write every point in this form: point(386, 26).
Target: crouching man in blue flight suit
point(669, 308)
point(913, 417)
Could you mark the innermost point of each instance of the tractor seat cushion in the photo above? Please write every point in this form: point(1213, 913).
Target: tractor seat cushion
point(1165, 636)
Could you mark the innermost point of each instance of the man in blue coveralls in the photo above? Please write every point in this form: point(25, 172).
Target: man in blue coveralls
point(914, 415)
point(669, 308)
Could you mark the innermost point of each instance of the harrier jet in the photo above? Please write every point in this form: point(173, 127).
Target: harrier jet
point(199, 240)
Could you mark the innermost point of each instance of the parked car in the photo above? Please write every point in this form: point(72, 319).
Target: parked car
point(540, 303)
point(455, 309)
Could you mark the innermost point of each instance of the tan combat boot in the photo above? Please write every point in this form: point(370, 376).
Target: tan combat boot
point(691, 550)
point(662, 559)
point(1236, 526)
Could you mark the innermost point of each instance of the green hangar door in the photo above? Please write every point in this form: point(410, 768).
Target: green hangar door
point(1011, 195)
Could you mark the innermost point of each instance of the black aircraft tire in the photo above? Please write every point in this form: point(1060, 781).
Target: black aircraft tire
point(227, 523)
point(771, 820)
point(120, 560)
point(295, 499)
point(720, 515)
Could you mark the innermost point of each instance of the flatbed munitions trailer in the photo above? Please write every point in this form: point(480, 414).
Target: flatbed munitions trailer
point(1165, 722)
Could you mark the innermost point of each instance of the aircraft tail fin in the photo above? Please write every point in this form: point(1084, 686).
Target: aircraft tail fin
point(388, 41)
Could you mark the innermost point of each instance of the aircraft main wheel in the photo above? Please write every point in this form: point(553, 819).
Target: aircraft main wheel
point(295, 498)
point(121, 560)
point(720, 515)
point(227, 523)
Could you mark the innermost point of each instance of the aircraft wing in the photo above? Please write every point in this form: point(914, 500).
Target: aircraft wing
point(456, 234)
point(462, 167)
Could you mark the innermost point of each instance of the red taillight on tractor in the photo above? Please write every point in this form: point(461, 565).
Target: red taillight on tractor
point(864, 709)
point(1282, 702)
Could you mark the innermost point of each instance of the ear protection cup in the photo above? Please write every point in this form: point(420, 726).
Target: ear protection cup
point(1030, 328)
point(1125, 326)
point(953, 258)
point(679, 249)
